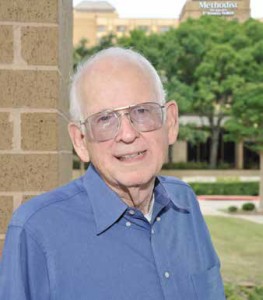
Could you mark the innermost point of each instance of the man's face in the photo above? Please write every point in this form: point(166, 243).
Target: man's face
point(132, 158)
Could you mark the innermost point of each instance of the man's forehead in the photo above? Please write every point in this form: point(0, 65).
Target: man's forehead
point(106, 74)
point(110, 66)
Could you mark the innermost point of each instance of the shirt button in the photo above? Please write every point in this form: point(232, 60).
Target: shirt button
point(166, 275)
point(128, 224)
point(152, 231)
point(158, 219)
point(131, 212)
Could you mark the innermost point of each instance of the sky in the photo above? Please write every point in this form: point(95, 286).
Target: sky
point(163, 8)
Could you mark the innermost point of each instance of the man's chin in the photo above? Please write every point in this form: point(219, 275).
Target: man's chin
point(135, 180)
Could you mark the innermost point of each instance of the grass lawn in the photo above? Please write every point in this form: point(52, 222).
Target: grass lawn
point(239, 244)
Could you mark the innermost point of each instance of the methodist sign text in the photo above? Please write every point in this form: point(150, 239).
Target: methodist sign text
point(224, 8)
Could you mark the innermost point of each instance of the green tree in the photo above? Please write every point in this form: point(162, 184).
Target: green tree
point(207, 61)
point(82, 51)
point(246, 121)
point(150, 45)
point(216, 82)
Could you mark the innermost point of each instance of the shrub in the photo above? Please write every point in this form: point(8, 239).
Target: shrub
point(186, 166)
point(191, 165)
point(232, 209)
point(76, 164)
point(248, 206)
point(226, 188)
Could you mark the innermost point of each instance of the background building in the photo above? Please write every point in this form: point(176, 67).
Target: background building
point(93, 20)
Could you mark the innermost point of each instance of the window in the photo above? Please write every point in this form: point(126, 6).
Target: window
point(143, 28)
point(164, 28)
point(121, 28)
point(101, 28)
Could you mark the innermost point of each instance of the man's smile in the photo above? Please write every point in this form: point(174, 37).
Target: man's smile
point(131, 156)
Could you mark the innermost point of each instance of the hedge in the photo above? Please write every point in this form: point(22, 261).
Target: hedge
point(194, 166)
point(226, 188)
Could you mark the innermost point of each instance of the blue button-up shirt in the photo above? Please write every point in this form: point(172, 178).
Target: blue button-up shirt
point(82, 241)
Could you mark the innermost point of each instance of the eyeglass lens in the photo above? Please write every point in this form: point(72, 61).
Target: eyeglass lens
point(144, 117)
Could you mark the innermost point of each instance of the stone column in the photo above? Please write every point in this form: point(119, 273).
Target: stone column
point(180, 151)
point(239, 155)
point(35, 67)
point(261, 181)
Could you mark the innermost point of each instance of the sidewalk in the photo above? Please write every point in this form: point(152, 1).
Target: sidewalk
point(215, 207)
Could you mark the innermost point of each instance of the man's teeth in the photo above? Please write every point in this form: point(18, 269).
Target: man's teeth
point(130, 156)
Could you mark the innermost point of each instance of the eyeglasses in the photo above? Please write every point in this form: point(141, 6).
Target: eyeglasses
point(105, 125)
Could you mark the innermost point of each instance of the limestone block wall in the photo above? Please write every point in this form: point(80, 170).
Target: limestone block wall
point(35, 69)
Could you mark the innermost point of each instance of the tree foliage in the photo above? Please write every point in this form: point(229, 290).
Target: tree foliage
point(213, 59)
point(246, 120)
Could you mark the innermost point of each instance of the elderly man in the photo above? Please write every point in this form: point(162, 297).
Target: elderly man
point(119, 232)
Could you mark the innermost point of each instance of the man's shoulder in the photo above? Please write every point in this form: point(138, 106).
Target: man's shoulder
point(179, 192)
point(174, 182)
point(46, 201)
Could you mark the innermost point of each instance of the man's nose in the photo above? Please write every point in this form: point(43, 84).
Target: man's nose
point(126, 133)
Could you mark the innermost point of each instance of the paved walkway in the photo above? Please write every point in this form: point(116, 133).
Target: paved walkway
point(216, 207)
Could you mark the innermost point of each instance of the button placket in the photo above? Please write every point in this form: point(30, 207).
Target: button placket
point(164, 272)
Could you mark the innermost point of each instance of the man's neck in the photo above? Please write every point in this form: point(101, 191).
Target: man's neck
point(137, 197)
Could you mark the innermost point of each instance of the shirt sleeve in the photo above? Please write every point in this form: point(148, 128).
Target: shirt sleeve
point(23, 269)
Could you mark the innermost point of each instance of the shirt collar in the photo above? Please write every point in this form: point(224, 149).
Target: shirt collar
point(164, 199)
point(106, 204)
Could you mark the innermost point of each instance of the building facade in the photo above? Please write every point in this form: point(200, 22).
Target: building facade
point(93, 20)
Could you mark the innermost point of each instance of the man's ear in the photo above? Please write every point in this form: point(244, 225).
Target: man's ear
point(79, 141)
point(172, 121)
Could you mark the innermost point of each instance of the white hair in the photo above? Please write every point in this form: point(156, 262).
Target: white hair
point(132, 56)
